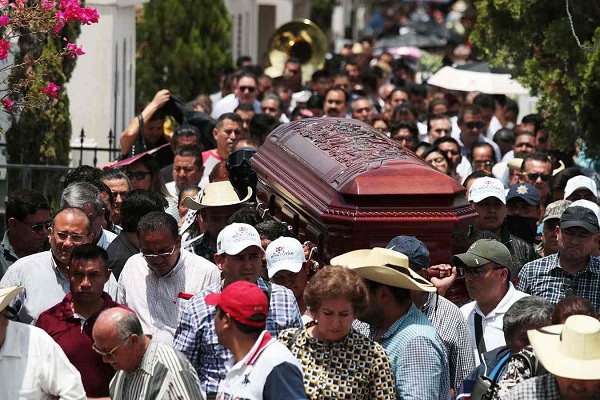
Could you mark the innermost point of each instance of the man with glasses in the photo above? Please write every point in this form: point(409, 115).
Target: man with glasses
point(27, 219)
point(147, 369)
point(244, 92)
point(572, 271)
point(537, 170)
point(159, 282)
point(488, 270)
point(472, 130)
point(45, 275)
point(87, 198)
point(228, 130)
point(71, 321)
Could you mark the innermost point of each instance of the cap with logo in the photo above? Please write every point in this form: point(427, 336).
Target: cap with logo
point(244, 301)
point(482, 188)
point(285, 253)
point(524, 191)
point(579, 216)
point(413, 248)
point(580, 182)
point(555, 209)
point(485, 251)
point(236, 237)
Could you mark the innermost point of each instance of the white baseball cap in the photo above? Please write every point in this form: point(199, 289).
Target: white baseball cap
point(235, 238)
point(580, 182)
point(285, 253)
point(482, 188)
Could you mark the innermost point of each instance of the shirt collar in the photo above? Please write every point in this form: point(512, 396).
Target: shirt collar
point(147, 362)
point(504, 304)
point(6, 246)
point(64, 311)
point(261, 343)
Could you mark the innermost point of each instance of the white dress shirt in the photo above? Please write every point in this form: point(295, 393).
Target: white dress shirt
point(44, 285)
point(33, 366)
point(156, 299)
point(493, 334)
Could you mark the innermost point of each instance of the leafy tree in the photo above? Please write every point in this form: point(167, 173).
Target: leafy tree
point(41, 134)
point(181, 46)
point(534, 40)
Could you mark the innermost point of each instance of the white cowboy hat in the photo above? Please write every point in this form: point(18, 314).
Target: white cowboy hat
point(7, 295)
point(385, 266)
point(571, 350)
point(216, 194)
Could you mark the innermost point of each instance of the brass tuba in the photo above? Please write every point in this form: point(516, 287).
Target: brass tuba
point(299, 38)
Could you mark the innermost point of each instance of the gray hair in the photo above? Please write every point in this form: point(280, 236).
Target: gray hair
point(79, 194)
point(274, 96)
point(129, 325)
point(530, 311)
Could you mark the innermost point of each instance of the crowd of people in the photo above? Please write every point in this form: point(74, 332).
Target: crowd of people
point(162, 276)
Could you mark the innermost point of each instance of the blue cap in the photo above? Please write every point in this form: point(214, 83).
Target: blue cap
point(525, 191)
point(413, 248)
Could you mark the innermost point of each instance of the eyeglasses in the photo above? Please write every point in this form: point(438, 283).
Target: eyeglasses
point(110, 354)
point(476, 272)
point(475, 125)
point(249, 89)
point(75, 237)
point(533, 176)
point(155, 257)
point(576, 234)
point(138, 175)
point(39, 227)
point(483, 163)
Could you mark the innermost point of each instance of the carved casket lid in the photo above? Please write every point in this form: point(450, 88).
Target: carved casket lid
point(352, 158)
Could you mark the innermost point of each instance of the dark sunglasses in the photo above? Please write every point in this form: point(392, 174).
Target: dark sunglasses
point(138, 175)
point(533, 176)
point(475, 125)
point(38, 228)
point(250, 89)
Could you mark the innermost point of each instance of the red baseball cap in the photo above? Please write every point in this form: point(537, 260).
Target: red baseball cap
point(244, 301)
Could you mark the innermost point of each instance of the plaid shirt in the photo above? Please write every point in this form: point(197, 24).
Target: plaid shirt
point(454, 332)
point(414, 348)
point(197, 339)
point(538, 388)
point(545, 278)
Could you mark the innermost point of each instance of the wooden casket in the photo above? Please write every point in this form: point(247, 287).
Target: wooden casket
point(344, 185)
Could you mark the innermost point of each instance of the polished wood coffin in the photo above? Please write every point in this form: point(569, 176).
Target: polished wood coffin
point(344, 185)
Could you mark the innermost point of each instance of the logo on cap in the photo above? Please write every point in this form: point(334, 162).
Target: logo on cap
point(522, 189)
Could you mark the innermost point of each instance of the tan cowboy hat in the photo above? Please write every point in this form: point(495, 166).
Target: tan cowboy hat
point(571, 350)
point(385, 266)
point(216, 194)
point(7, 295)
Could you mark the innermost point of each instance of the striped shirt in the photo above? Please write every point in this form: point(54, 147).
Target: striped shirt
point(156, 299)
point(163, 374)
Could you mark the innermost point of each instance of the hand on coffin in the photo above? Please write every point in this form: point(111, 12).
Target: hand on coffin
point(447, 277)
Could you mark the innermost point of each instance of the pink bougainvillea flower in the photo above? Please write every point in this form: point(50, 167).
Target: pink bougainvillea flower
point(4, 20)
point(88, 16)
point(51, 90)
point(75, 51)
point(3, 3)
point(8, 104)
point(48, 5)
point(4, 47)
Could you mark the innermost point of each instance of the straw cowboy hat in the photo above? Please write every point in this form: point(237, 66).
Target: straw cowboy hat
point(384, 266)
point(216, 194)
point(7, 295)
point(571, 350)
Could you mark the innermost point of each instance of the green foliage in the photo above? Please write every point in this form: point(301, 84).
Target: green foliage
point(181, 45)
point(533, 39)
point(41, 135)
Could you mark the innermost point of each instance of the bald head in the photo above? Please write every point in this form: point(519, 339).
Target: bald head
point(118, 321)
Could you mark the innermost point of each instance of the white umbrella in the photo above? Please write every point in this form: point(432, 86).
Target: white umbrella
point(472, 81)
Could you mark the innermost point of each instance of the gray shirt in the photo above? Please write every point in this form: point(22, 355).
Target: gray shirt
point(44, 285)
point(7, 254)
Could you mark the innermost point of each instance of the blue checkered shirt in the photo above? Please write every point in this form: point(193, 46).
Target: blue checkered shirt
point(418, 357)
point(197, 339)
point(542, 387)
point(545, 278)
